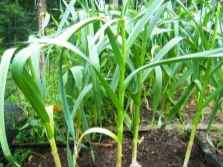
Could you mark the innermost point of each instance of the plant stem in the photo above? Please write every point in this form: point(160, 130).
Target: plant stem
point(201, 99)
point(136, 119)
point(54, 152)
point(50, 136)
point(121, 98)
point(136, 113)
point(198, 113)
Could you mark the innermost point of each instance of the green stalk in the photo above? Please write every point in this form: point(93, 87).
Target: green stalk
point(120, 120)
point(121, 98)
point(54, 152)
point(136, 117)
point(202, 96)
point(136, 114)
point(198, 114)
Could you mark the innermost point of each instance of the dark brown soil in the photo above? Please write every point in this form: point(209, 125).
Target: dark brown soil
point(158, 149)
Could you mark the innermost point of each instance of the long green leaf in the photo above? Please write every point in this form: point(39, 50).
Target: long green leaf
point(157, 88)
point(217, 105)
point(115, 47)
point(212, 96)
point(205, 54)
point(161, 54)
point(65, 106)
point(28, 86)
point(183, 78)
point(96, 130)
point(66, 111)
point(199, 27)
point(4, 67)
point(101, 31)
point(80, 98)
point(68, 45)
point(70, 31)
point(94, 59)
point(31, 91)
point(180, 102)
point(141, 23)
point(69, 10)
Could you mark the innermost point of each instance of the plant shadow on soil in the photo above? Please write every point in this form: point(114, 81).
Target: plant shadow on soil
point(158, 149)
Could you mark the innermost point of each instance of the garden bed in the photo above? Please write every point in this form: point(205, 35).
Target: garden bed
point(159, 148)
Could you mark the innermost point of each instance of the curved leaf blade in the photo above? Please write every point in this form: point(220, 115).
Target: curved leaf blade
point(4, 67)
